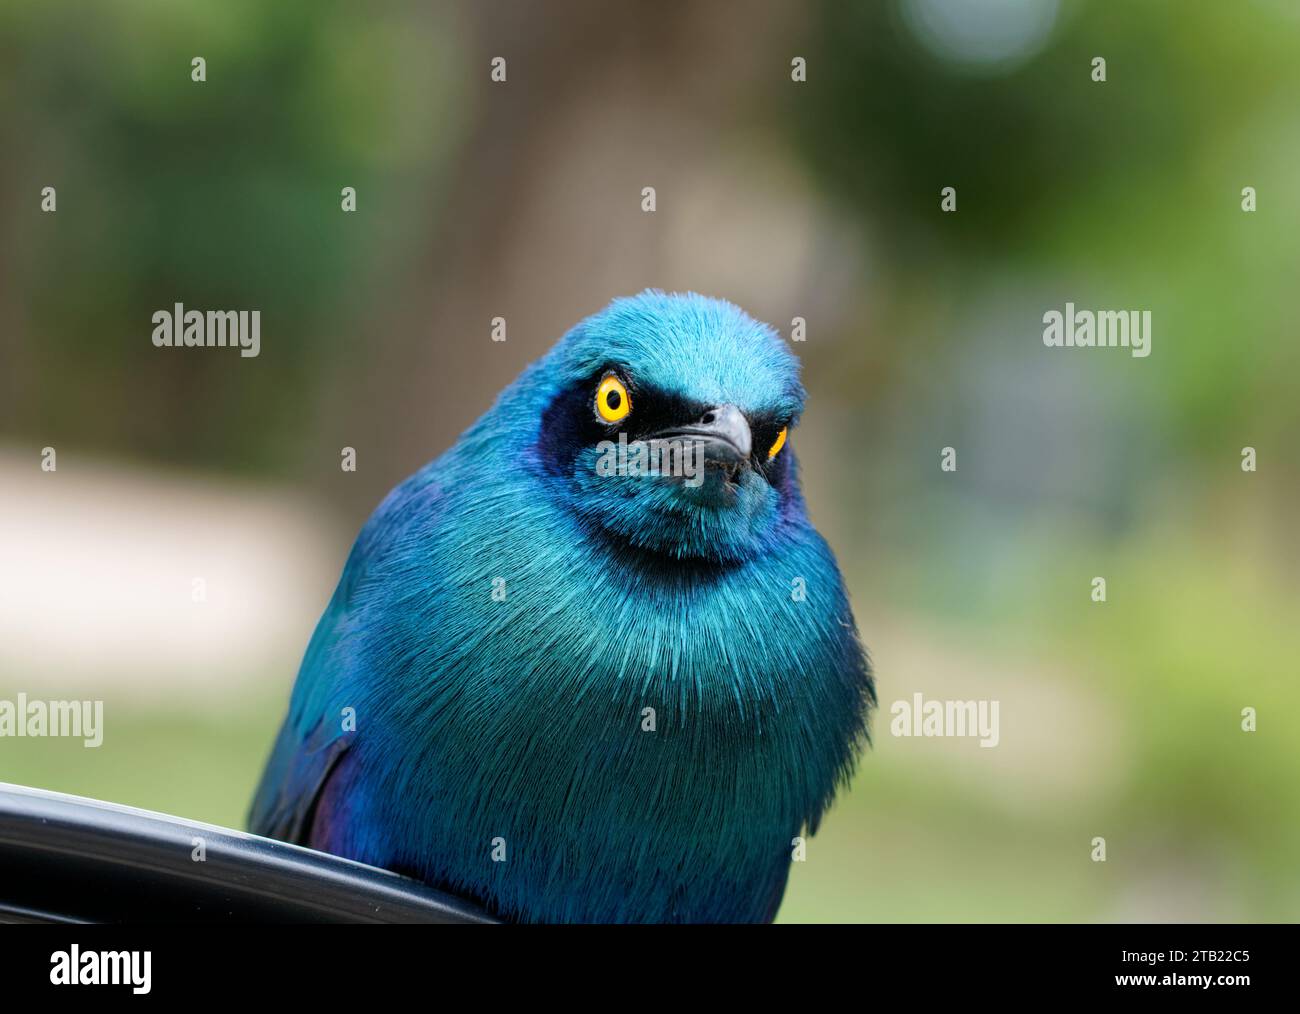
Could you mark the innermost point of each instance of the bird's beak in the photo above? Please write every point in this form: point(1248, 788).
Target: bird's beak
point(724, 433)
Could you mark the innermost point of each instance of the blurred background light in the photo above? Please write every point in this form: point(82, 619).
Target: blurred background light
point(982, 33)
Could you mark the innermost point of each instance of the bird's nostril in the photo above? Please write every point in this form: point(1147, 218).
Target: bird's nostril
point(708, 417)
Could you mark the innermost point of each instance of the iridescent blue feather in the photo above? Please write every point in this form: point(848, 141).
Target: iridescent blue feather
point(514, 725)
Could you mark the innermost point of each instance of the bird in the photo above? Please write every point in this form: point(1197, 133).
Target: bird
point(575, 694)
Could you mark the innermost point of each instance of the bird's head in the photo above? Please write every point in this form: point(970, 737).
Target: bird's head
point(667, 426)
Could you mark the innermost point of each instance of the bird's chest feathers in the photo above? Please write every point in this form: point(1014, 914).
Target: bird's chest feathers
point(590, 688)
point(614, 661)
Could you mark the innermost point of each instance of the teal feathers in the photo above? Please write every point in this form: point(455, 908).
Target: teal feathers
point(577, 697)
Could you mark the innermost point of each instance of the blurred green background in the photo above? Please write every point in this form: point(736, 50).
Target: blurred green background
point(175, 563)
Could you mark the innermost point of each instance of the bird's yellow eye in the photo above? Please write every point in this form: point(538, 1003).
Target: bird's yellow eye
point(778, 443)
point(612, 401)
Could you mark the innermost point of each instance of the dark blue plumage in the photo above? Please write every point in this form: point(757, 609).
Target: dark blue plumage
point(513, 725)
